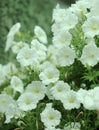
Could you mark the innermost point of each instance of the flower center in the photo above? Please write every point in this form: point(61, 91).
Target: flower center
point(36, 90)
point(71, 100)
point(94, 27)
point(3, 101)
point(59, 89)
point(66, 55)
point(51, 117)
point(27, 102)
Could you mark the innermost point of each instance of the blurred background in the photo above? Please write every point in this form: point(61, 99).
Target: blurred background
point(29, 13)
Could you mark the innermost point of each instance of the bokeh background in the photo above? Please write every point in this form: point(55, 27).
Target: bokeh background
point(29, 13)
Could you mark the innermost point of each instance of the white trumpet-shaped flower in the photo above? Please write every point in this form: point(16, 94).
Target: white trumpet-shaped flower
point(50, 117)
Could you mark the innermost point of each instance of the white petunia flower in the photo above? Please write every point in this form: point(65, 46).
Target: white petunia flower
point(15, 28)
point(49, 75)
point(91, 26)
point(27, 101)
point(70, 21)
point(88, 102)
point(62, 39)
point(27, 57)
point(89, 98)
point(9, 107)
point(59, 14)
point(13, 111)
point(17, 46)
point(17, 84)
point(66, 56)
point(50, 117)
point(70, 100)
point(40, 34)
point(60, 89)
point(90, 55)
point(37, 89)
point(80, 7)
point(5, 101)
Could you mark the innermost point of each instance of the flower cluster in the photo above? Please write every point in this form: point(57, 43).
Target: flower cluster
point(49, 86)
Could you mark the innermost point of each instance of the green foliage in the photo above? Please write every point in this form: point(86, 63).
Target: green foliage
point(92, 75)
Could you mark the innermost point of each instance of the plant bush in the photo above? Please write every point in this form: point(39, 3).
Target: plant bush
point(53, 86)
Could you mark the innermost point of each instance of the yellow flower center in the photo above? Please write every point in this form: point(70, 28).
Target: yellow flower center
point(71, 100)
point(28, 102)
point(50, 76)
point(51, 117)
point(92, 55)
point(59, 89)
point(94, 27)
point(3, 101)
point(66, 55)
point(63, 41)
point(37, 90)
